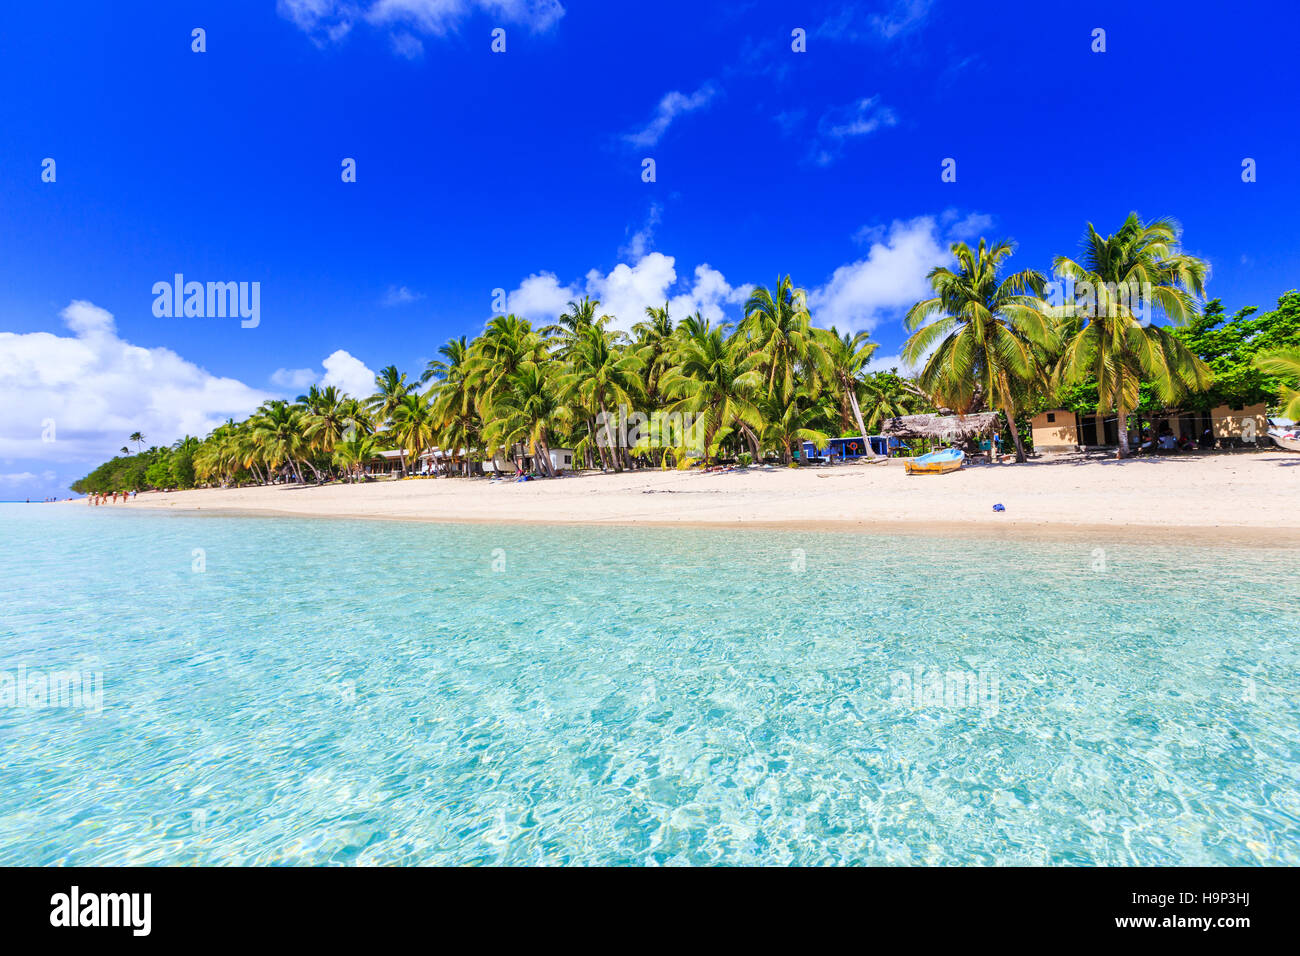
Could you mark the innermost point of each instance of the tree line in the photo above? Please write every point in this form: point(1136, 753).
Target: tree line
point(989, 338)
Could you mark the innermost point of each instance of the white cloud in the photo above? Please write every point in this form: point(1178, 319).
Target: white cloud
point(343, 370)
point(708, 295)
point(348, 373)
point(841, 123)
point(91, 389)
point(643, 238)
point(628, 289)
point(886, 363)
point(973, 226)
point(672, 105)
point(541, 298)
point(27, 478)
point(903, 16)
point(332, 20)
point(294, 378)
point(889, 280)
point(859, 295)
point(406, 45)
point(400, 296)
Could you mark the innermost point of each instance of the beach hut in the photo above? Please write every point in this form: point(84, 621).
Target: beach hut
point(849, 448)
point(562, 459)
point(944, 428)
point(386, 463)
point(1059, 429)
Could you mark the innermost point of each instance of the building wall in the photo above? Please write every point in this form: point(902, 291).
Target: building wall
point(1063, 433)
point(1232, 422)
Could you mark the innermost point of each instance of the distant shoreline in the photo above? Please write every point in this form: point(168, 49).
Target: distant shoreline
point(1231, 500)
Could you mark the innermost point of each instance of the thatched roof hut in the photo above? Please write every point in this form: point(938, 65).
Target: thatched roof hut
point(943, 427)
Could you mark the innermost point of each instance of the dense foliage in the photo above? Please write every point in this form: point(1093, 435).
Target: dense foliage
point(698, 390)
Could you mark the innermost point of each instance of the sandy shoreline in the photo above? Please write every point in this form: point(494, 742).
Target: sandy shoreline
point(1243, 499)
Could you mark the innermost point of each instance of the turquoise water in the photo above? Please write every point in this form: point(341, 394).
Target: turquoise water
point(310, 692)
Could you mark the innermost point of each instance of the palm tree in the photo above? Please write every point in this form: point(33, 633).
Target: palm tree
point(329, 416)
point(1284, 363)
point(580, 315)
point(507, 343)
point(653, 339)
point(716, 379)
point(528, 412)
point(885, 396)
point(391, 387)
point(601, 375)
point(779, 328)
point(846, 359)
point(983, 331)
point(277, 432)
point(354, 451)
point(1115, 345)
point(413, 426)
point(787, 425)
point(695, 327)
point(139, 440)
point(454, 397)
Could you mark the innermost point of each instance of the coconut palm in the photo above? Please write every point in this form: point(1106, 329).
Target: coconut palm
point(601, 376)
point(391, 387)
point(1286, 364)
point(453, 397)
point(787, 425)
point(353, 451)
point(277, 431)
point(779, 329)
point(653, 338)
point(139, 440)
point(847, 356)
point(980, 331)
point(528, 412)
point(329, 416)
point(716, 379)
point(577, 317)
point(694, 327)
point(884, 396)
point(506, 344)
point(412, 427)
point(1115, 345)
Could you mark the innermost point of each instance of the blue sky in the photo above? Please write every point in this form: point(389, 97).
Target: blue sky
point(522, 171)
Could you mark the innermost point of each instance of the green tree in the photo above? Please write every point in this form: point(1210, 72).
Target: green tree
point(979, 331)
point(1142, 262)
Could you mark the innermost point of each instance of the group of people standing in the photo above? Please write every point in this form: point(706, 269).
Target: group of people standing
point(110, 497)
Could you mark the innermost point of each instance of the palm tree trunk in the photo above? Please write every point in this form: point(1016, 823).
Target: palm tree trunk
point(618, 467)
point(857, 416)
point(1015, 434)
point(1122, 427)
point(1121, 414)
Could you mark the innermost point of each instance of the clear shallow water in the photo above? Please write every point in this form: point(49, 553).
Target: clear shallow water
point(370, 692)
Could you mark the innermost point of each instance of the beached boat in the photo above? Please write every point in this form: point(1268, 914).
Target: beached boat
point(1289, 442)
point(936, 463)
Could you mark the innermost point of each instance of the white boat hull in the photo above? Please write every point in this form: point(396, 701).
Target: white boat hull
point(1289, 444)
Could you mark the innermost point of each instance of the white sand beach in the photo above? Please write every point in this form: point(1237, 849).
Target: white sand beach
point(1240, 499)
